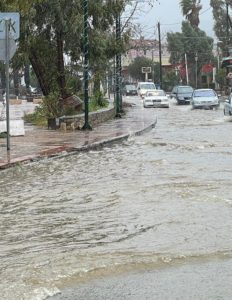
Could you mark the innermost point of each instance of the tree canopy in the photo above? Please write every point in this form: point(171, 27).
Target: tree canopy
point(222, 24)
point(191, 9)
point(52, 31)
point(192, 42)
point(135, 68)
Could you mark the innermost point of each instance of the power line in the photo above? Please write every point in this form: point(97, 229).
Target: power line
point(205, 11)
point(171, 24)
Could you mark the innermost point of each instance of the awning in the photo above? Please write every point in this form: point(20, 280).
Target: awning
point(226, 62)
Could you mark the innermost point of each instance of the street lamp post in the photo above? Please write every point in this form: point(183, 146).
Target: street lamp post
point(118, 67)
point(86, 65)
point(160, 57)
point(7, 26)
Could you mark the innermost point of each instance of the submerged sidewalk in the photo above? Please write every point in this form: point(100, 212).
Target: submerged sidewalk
point(39, 143)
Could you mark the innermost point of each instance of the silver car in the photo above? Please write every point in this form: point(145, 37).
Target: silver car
point(204, 98)
point(157, 98)
point(228, 106)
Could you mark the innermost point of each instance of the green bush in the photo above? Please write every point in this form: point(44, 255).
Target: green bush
point(51, 108)
point(98, 101)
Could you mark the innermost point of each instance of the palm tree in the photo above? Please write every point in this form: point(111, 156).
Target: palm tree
point(191, 9)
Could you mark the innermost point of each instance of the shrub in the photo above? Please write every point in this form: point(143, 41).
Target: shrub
point(51, 106)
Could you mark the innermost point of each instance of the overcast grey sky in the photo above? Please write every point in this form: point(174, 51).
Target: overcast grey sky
point(168, 13)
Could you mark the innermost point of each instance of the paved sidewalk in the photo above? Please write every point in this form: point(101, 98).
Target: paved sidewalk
point(40, 143)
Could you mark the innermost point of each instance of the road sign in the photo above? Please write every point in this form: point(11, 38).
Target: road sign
point(12, 49)
point(14, 30)
point(229, 75)
point(146, 69)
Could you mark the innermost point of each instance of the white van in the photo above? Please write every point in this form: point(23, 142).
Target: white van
point(144, 87)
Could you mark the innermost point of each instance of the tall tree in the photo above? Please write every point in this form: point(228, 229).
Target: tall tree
point(191, 9)
point(222, 26)
point(190, 42)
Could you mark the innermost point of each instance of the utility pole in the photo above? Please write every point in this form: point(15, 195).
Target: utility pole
point(186, 68)
point(152, 58)
point(160, 57)
point(86, 65)
point(196, 59)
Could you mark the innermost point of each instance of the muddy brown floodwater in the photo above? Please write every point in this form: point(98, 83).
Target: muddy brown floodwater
point(154, 202)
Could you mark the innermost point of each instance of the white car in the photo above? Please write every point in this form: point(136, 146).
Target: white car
point(157, 98)
point(228, 106)
point(144, 87)
point(204, 98)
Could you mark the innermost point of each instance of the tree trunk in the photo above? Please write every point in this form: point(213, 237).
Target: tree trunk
point(39, 71)
point(16, 82)
point(60, 65)
point(96, 82)
point(27, 76)
point(3, 78)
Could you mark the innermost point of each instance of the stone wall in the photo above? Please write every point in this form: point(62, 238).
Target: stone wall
point(95, 118)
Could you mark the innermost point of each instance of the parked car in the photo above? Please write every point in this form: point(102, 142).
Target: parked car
point(129, 89)
point(204, 98)
point(228, 106)
point(156, 98)
point(144, 87)
point(182, 94)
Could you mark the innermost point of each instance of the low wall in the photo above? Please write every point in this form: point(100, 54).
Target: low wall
point(95, 118)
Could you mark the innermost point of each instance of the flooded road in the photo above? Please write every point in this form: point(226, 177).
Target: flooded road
point(156, 200)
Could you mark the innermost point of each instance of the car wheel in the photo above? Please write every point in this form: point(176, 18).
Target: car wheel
point(230, 113)
point(224, 112)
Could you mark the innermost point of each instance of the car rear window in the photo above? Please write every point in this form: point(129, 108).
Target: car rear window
point(148, 86)
point(206, 93)
point(131, 87)
point(156, 93)
point(185, 90)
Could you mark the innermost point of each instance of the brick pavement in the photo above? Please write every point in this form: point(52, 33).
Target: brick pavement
point(39, 143)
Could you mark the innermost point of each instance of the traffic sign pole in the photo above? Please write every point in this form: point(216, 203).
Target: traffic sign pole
point(9, 32)
point(7, 25)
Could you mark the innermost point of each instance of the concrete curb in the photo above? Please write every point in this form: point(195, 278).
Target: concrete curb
point(61, 152)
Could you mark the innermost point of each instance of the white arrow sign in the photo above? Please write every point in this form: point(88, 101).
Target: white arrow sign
point(12, 49)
